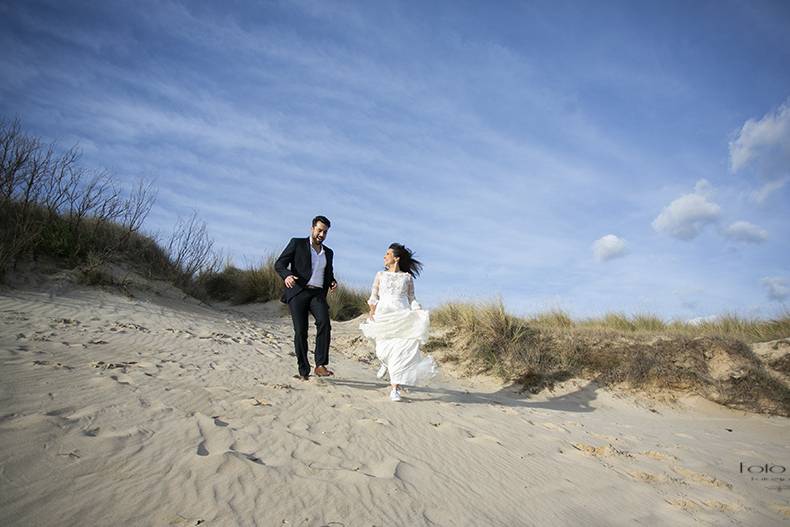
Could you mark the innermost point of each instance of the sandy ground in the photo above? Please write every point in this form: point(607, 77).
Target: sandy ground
point(154, 410)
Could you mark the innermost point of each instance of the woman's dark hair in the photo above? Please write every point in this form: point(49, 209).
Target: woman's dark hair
point(406, 261)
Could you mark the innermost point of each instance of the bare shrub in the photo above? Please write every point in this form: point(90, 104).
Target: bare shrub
point(190, 250)
point(50, 206)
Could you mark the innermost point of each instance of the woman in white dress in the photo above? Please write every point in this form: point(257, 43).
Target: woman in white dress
point(397, 323)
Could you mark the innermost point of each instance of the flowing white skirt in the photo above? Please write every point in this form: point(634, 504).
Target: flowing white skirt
point(398, 335)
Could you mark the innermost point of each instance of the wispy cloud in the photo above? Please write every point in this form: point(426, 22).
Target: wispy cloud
point(762, 194)
point(764, 142)
point(743, 231)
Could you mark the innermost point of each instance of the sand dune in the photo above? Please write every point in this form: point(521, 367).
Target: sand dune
point(155, 410)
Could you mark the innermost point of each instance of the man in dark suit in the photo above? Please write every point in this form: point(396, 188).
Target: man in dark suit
point(306, 268)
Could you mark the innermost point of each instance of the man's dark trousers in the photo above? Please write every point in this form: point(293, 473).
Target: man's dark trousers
point(310, 300)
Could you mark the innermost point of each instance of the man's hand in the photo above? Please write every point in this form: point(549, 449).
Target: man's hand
point(333, 286)
point(290, 281)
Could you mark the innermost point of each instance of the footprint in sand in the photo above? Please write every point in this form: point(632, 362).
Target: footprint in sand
point(122, 366)
point(56, 365)
point(385, 469)
point(214, 437)
point(121, 326)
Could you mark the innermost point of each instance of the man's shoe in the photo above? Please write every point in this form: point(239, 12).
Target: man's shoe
point(395, 395)
point(382, 371)
point(302, 377)
point(321, 371)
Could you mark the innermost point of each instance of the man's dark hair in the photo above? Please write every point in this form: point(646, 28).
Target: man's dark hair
point(322, 219)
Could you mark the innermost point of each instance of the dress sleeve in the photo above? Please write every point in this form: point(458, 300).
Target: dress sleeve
point(374, 292)
point(410, 293)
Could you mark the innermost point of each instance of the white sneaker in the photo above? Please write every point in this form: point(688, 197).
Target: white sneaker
point(382, 371)
point(394, 395)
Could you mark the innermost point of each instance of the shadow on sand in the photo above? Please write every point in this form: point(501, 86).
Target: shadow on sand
point(576, 401)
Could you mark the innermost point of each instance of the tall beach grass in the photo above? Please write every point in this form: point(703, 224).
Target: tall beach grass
point(711, 358)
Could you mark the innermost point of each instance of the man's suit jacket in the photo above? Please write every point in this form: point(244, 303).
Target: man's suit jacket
point(296, 260)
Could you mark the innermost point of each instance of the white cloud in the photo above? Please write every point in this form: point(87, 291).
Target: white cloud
point(608, 247)
point(776, 288)
point(685, 217)
point(762, 194)
point(743, 231)
point(766, 141)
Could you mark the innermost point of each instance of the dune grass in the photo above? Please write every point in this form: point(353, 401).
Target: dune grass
point(346, 303)
point(641, 351)
point(490, 339)
point(750, 330)
point(261, 283)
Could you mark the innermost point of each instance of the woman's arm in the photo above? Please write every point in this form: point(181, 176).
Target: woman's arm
point(374, 296)
point(410, 294)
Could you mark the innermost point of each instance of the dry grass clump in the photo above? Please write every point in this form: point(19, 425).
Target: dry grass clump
point(747, 329)
point(641, 352)
point(262, 284)
point(493, 340)
point(241, 286)
point(347, 302)
point(729, 325)
point(555, 318)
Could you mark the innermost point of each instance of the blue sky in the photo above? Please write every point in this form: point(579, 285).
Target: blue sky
point(588, 156)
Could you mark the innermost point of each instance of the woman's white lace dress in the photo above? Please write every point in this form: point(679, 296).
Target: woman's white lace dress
point(399, 327)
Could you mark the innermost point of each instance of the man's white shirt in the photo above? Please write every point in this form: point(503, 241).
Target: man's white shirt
point(318, 261)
